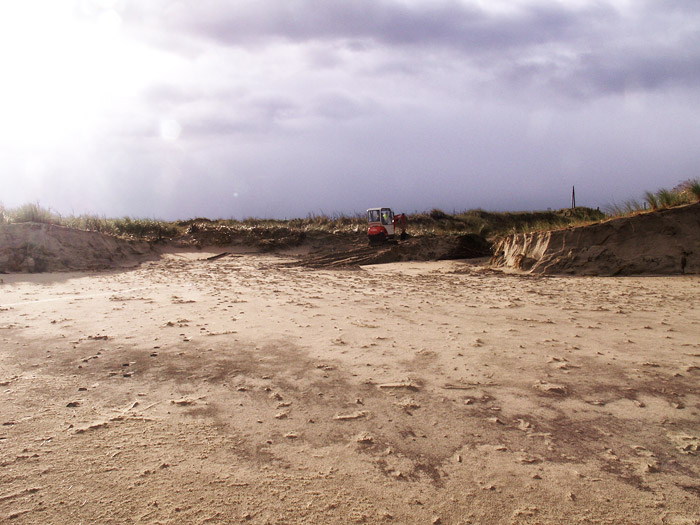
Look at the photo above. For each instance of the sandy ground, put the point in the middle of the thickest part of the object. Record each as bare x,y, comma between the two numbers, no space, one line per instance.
241,390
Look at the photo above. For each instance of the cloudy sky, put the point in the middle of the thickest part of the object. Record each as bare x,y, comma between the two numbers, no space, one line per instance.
284,108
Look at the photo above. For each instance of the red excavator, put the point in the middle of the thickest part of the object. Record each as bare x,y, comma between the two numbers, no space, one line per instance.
383,225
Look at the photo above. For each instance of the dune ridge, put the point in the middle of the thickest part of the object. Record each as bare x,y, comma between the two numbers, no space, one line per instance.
662,242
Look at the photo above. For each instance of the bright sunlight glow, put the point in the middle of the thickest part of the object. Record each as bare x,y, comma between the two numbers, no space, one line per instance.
66,68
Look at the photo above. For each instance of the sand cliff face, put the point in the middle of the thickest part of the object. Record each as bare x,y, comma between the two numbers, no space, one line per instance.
663,242
32,247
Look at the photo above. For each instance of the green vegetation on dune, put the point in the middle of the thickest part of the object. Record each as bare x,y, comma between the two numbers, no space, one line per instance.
487,223
31,212
434,222
438,222
694,188
686,192
124,227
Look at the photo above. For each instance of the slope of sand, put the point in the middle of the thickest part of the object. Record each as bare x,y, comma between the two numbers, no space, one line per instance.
33,247
244,390
36,248
660,242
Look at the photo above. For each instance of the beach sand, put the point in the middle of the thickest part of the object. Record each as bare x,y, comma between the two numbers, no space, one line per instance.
243,389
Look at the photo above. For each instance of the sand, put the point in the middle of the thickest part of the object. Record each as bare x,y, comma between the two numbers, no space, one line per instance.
243,389
662,242
34,248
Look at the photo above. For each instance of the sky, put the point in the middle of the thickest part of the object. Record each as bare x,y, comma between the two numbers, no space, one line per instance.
175,109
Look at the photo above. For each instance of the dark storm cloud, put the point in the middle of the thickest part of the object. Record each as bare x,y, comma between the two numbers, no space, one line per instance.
609,71
452,24
578,51
621,71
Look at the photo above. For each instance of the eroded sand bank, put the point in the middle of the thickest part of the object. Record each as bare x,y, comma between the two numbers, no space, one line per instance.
240,389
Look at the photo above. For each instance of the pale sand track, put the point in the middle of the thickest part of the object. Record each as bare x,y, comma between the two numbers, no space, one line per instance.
241,390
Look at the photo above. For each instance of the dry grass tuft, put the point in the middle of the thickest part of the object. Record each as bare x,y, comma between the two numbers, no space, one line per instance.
686,192
694,189
32,212
435,222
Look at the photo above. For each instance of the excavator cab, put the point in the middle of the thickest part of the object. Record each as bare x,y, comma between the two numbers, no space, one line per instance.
382,224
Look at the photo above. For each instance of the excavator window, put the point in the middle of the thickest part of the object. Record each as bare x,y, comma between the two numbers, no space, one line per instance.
386,217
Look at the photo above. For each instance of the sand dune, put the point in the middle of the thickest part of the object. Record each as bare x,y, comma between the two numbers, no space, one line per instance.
33,248
662,242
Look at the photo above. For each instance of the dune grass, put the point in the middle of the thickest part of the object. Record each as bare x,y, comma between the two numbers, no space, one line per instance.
32,212
694,189
123,227
651,199
151,229
686,192
433,222
628,207
487,223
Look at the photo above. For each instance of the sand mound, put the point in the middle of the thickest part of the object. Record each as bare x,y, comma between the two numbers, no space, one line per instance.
339,249
201,234
31,247
663,242
414,249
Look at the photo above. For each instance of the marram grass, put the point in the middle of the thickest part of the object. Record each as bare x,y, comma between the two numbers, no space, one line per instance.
686,192
433,222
